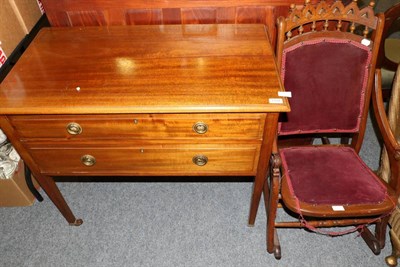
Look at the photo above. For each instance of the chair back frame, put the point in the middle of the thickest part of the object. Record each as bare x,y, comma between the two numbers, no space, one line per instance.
392,23
387,129
338,22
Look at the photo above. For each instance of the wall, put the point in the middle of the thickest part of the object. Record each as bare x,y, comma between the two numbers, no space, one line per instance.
136,12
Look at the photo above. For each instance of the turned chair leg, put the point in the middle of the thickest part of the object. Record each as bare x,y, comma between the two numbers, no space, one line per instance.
380,231
273,245
370,240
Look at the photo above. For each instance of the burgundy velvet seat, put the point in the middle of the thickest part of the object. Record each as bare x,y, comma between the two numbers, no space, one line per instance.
330,176
326,55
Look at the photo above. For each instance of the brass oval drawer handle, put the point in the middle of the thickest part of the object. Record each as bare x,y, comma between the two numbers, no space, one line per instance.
200,160
88,160
74,128
200,128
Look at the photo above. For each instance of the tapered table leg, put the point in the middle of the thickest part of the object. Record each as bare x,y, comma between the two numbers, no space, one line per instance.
49,186
46,182
270,128
255,200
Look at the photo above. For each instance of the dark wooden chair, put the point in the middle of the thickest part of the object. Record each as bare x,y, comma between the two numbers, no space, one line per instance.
389,169
389,51
327,55
388,88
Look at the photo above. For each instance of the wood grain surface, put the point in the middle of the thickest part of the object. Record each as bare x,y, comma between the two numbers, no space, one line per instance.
145,69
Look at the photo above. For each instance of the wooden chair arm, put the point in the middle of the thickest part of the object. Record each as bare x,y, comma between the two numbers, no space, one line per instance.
390,141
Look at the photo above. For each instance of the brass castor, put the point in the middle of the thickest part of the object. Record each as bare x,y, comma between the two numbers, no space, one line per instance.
77,222
391,260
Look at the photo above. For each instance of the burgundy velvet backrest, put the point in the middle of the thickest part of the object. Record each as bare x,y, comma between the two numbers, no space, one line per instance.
328,79
327,56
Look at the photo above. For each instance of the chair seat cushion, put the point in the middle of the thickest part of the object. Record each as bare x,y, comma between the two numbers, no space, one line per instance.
330,175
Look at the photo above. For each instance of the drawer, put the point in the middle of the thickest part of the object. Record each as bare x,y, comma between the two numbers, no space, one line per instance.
177,159
140,126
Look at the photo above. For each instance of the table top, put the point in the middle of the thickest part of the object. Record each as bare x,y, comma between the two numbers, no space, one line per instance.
145,69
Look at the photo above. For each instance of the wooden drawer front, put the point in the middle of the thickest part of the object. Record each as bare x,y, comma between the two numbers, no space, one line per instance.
149,160
142,126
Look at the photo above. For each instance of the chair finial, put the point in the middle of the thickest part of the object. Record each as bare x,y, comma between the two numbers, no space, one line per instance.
372,4
292,8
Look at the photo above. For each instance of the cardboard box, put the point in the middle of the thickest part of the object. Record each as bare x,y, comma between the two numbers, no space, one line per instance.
11,31
17,18
3,57
28,13
14,192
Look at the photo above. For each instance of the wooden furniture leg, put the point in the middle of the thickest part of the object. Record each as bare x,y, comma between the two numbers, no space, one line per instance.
370,240
270,127
46,182
255,200
273,245
380,231
51,189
